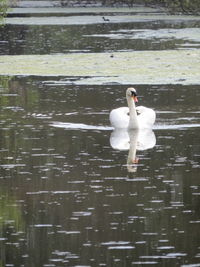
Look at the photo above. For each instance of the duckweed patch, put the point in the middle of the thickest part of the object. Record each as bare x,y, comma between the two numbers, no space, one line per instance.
139,67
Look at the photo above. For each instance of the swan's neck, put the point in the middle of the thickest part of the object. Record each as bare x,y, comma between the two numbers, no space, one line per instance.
133,120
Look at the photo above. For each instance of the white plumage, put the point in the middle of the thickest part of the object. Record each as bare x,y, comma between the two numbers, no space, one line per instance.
132,117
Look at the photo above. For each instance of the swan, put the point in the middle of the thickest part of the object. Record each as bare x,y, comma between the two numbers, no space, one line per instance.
132,117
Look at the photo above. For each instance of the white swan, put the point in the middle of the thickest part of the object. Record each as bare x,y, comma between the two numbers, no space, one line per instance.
132,117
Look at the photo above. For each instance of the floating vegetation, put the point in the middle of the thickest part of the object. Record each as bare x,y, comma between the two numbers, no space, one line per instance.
138,67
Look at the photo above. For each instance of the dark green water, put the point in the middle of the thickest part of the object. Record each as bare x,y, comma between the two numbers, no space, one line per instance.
140,35
67,198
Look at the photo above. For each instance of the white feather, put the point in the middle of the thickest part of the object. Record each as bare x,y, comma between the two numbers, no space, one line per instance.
141,117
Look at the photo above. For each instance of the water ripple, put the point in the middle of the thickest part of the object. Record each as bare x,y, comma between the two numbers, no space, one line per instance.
82,126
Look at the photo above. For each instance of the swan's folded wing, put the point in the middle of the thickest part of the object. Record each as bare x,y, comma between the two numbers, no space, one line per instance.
146,116
119,117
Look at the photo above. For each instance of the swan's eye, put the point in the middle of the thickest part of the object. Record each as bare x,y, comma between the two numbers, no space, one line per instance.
133,93
128,114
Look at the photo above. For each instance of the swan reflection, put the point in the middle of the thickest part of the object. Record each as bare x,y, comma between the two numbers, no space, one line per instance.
132,140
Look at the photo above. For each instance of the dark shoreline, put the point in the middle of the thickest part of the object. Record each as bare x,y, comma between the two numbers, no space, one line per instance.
172,7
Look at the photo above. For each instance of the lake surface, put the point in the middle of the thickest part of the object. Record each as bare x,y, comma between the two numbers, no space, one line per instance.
73,191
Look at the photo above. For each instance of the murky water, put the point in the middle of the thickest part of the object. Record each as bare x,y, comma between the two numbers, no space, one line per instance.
70,196
93,37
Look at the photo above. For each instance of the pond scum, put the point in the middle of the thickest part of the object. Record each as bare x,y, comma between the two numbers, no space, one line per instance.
152,67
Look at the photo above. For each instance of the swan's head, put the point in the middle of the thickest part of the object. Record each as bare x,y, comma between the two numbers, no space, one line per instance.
131,92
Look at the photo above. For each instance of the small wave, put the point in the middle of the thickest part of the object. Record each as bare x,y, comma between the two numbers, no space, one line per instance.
175,126
82,126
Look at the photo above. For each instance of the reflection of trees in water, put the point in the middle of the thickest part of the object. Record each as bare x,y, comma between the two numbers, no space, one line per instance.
15,94
191,6
12,37
11,229
47,39
187,6
4,82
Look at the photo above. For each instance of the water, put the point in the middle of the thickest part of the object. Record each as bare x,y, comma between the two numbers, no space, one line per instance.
92,34
70,195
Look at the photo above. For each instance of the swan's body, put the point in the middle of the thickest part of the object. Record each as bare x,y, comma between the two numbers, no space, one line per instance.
132,117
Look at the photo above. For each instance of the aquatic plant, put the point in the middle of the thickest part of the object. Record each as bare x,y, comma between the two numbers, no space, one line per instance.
3,8
156,67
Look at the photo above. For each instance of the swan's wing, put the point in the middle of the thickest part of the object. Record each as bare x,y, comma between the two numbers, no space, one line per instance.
146,116
119,117
139,110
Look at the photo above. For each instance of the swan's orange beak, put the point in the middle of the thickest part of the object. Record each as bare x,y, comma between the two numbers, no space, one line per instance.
135,99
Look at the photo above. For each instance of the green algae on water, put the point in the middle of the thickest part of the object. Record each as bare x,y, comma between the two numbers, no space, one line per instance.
138,67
